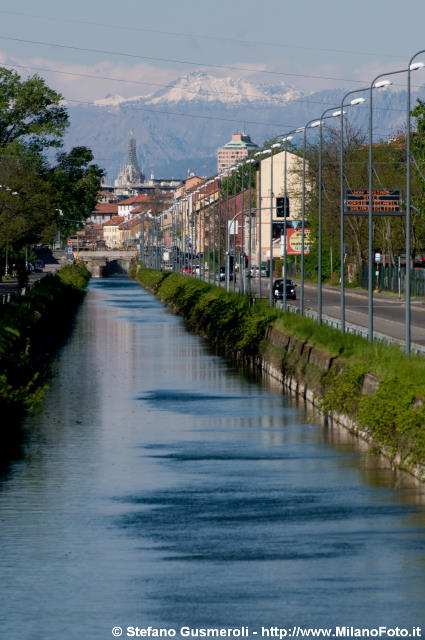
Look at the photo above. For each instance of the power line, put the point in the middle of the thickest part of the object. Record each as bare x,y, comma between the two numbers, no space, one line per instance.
175,60
157,84
203,36
184,115
141,82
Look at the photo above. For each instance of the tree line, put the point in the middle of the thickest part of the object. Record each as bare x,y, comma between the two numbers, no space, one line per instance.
43,189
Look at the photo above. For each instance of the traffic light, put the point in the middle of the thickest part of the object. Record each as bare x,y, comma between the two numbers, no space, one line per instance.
282,207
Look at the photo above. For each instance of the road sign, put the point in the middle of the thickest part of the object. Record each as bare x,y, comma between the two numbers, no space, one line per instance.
385,202
378,257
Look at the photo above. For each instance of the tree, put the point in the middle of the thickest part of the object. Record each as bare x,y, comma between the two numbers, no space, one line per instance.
30,112
389,166
76,183
32,192
27,203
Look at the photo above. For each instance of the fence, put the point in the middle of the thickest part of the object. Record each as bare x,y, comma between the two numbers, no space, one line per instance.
390,279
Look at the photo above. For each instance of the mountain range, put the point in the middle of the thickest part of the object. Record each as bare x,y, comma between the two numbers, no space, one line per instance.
178,128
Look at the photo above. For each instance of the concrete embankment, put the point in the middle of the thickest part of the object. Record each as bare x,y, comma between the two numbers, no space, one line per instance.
373,390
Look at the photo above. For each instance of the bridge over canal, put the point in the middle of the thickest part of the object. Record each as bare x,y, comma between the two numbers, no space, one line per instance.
103,263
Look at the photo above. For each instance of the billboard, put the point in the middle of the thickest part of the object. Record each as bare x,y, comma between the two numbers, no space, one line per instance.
385,202
294,241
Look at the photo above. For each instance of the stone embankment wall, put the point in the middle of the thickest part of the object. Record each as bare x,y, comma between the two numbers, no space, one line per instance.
303,369
372,389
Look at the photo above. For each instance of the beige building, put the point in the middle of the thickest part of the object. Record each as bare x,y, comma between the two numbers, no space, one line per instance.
130,231
272,193
238,148
111,232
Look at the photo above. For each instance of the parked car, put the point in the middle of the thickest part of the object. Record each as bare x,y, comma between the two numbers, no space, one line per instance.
291,293
254,270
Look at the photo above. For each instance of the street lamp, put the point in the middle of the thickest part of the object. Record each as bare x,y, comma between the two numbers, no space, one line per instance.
310,124
231,170
286,139
260,255
377,84
277,145
353,102
412,66
319,123
250,162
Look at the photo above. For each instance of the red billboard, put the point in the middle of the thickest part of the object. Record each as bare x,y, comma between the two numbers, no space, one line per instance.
294,241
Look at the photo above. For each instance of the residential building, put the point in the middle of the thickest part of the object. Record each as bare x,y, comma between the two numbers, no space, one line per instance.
270,192
103,212
111,232
238,148
130,231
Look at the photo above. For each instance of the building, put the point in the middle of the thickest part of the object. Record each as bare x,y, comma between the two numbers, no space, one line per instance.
131,180
130,206
268,200
103,212
111,232
130,231
238,148
130,174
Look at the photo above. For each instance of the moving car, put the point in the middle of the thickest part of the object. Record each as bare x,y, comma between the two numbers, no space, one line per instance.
291,293
222,274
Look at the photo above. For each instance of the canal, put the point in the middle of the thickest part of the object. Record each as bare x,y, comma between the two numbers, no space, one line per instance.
161,486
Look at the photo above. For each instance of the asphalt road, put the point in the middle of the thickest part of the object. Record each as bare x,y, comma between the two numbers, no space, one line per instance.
388,310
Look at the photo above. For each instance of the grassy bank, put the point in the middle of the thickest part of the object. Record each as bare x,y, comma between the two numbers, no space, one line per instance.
30,329
390,409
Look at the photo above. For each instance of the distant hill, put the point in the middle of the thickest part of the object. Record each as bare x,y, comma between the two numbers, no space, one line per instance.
180,127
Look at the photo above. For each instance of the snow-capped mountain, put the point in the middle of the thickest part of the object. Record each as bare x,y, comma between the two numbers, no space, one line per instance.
181,125
197,87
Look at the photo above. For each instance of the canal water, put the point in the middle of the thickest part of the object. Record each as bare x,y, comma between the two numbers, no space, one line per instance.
162,487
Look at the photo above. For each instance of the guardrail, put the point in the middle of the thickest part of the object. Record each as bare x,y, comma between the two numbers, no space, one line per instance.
18,292
352,328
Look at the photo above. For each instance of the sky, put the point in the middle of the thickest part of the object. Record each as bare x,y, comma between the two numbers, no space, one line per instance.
135,47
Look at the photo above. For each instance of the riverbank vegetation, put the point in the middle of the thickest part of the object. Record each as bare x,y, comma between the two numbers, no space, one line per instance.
30,329
374,384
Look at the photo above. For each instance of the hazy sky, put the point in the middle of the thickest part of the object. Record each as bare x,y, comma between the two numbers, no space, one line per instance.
309,44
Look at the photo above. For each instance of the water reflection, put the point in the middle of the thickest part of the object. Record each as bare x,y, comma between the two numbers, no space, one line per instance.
161,486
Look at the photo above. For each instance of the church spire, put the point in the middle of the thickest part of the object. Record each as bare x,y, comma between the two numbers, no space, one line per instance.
132,155
130,175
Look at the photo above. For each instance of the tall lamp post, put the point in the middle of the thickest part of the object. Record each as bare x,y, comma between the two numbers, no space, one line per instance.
412,66
319,123
231,170
304,130
273,147
353,102
250,161
375,84
260,255
286,139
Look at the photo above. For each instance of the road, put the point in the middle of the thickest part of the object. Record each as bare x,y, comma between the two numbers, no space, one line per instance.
388,312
